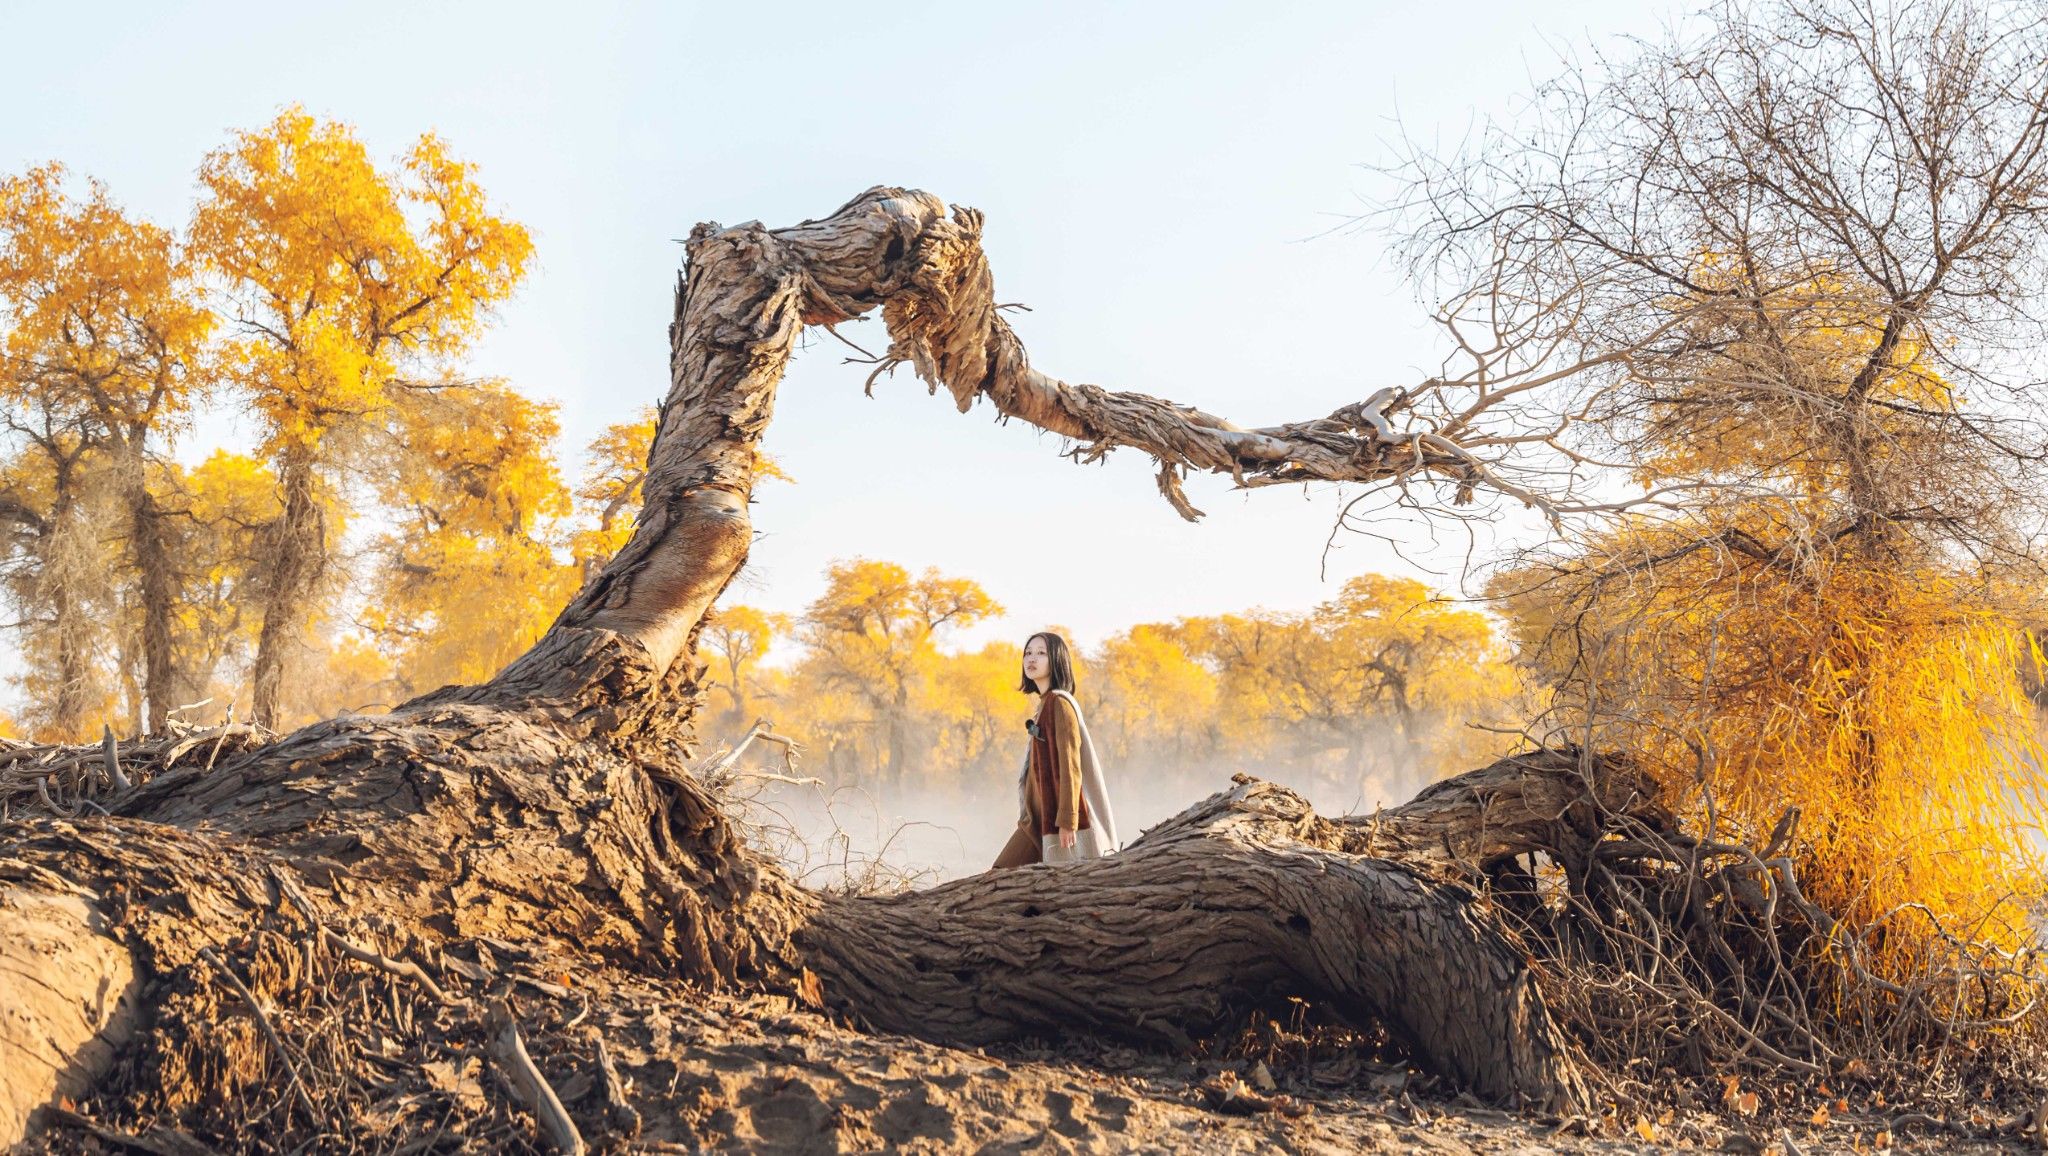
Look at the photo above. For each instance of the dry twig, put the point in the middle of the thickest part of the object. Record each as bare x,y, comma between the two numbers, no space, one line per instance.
510,1052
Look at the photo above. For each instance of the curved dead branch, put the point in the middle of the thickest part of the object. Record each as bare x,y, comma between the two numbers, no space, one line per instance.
749,293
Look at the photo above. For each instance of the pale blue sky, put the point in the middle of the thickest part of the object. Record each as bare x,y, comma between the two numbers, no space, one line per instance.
1160,181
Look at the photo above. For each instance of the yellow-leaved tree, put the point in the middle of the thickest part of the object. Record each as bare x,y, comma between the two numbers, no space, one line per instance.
1243,650
610,493
217,512
976,709
1434,666
468,576
737,638
339,280
101,339
1147,694
872,644
1806,645
1371,693
1379,688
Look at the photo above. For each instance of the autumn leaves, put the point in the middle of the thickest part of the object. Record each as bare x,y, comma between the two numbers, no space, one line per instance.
331,299
1374,686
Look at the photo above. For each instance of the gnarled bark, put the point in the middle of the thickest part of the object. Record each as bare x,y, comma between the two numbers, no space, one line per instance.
1240,902
465,827
551,805
748,294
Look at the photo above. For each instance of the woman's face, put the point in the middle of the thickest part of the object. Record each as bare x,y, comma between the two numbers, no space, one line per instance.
1037,660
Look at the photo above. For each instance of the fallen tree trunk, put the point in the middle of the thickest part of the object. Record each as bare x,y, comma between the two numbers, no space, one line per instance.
1237,904
1244,900
552,805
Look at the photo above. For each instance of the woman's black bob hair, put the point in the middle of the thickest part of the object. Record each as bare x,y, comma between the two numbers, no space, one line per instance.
1061,674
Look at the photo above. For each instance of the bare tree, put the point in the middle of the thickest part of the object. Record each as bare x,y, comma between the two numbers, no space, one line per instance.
1813,236
1799,263
1816,231
553,804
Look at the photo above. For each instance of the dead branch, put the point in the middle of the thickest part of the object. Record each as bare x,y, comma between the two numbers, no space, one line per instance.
255,1006
111,760
154,1141
404,969
624,1116
62,779
510,1052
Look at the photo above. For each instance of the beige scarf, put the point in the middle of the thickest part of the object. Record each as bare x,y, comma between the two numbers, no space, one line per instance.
1099,837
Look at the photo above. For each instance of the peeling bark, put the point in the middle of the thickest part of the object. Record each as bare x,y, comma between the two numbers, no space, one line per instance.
1237,904
748,294
552,805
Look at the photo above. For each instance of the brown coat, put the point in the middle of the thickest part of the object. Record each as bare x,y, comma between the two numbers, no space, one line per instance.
1052,785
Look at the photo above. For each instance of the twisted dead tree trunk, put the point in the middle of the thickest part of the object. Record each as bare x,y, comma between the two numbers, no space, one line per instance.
1240,902
551,805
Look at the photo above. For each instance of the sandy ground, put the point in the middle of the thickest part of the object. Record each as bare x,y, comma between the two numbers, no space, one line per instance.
777,1081
642,1066
755,1076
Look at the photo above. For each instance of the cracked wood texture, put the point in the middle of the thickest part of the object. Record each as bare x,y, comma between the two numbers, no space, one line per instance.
552,805
746,297
1238,903
458,828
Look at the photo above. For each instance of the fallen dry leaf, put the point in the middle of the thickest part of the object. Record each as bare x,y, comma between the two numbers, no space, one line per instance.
458,1083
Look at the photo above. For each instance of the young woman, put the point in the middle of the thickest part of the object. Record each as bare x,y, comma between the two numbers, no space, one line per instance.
1065,810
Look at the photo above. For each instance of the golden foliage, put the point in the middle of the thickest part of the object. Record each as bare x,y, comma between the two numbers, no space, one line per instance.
872,641
339,280
1368,693
342,673
1385,677
1884,701
1809,635
1761,405
101,342
345,288
611,489
736,638
1148,694
976,710
470,577
339,274
220,508
96,309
